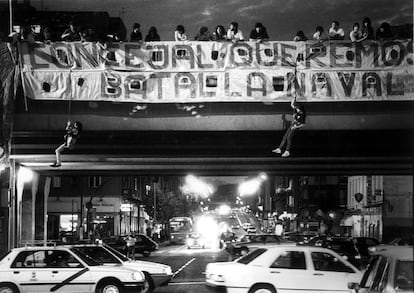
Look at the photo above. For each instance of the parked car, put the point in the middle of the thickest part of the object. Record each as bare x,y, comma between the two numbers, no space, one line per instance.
390,270
250,242
65,270
143,245
156,274
283,268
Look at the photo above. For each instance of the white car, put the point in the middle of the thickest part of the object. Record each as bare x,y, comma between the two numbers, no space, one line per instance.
390,270
65,270
283,269
156,274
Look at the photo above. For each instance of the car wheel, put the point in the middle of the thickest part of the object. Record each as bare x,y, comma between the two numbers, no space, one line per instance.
109,287
8,288
146,253
148,284
262,288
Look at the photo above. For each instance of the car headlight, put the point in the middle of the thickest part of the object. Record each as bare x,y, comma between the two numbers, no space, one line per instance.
167,270
138,276
216,277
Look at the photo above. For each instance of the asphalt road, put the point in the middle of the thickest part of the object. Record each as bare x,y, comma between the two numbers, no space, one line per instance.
188,266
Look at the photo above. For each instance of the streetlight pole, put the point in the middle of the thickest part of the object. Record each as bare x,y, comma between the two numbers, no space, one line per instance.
155,202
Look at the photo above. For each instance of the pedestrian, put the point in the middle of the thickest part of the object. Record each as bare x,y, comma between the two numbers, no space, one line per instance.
299,116
136,35
234,34
72,134
319,34
179,33
130,243
335,32
355,35
219,34
300,37
203,34
259,33
367,29
152,35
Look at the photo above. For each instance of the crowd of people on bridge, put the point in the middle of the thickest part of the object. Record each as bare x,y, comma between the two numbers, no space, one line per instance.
74,33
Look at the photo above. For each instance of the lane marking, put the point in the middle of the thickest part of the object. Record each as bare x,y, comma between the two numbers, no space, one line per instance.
183,267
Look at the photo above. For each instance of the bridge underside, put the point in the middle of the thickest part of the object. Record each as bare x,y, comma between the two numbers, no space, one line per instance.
341,152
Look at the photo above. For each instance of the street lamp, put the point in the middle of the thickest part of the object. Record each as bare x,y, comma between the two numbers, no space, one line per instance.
196,186
251,186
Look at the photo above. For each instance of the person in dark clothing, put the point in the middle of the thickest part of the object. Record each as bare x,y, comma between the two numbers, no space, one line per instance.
299,116
384,32
259,33
152,35
71,34
136,35
72,134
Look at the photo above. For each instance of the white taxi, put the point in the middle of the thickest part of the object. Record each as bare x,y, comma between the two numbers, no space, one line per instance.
283,269
65,270
156,274
390,270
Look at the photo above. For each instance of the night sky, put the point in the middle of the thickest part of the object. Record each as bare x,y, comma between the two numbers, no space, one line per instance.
283,18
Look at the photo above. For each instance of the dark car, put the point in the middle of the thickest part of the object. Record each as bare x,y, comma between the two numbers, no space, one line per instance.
344,246
143,244
251,242
364,243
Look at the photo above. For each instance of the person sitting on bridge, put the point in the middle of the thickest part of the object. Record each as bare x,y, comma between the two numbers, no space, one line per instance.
299,116
72,134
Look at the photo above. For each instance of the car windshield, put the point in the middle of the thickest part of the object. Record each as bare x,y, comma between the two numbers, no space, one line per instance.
89,261
404,275
375,267
116,253
251,256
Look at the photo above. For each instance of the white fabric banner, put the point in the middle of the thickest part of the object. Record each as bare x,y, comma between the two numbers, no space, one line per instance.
180,72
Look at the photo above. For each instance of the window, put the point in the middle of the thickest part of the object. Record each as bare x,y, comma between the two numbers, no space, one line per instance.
323,261
404,275
290,260
56,182
61,259
99,254
251,256
94,181
30,259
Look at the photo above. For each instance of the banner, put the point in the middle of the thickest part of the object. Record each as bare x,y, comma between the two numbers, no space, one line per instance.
180,72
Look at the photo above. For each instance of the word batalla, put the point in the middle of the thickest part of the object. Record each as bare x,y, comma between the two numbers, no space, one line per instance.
163,72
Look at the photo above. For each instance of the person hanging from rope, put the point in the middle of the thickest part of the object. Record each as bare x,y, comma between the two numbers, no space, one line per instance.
73,131
299,116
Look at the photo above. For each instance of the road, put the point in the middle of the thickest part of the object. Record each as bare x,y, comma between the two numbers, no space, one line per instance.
188,266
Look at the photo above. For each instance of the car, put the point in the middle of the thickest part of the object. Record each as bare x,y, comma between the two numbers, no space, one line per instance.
196,240
143,245
63,269
283,268
345,246
364,244
250,242
156,274
390,270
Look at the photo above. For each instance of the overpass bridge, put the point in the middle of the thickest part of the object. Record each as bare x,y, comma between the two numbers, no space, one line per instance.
214,107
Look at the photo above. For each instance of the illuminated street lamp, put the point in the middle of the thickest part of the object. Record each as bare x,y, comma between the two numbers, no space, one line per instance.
251,186
194,185
24,175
